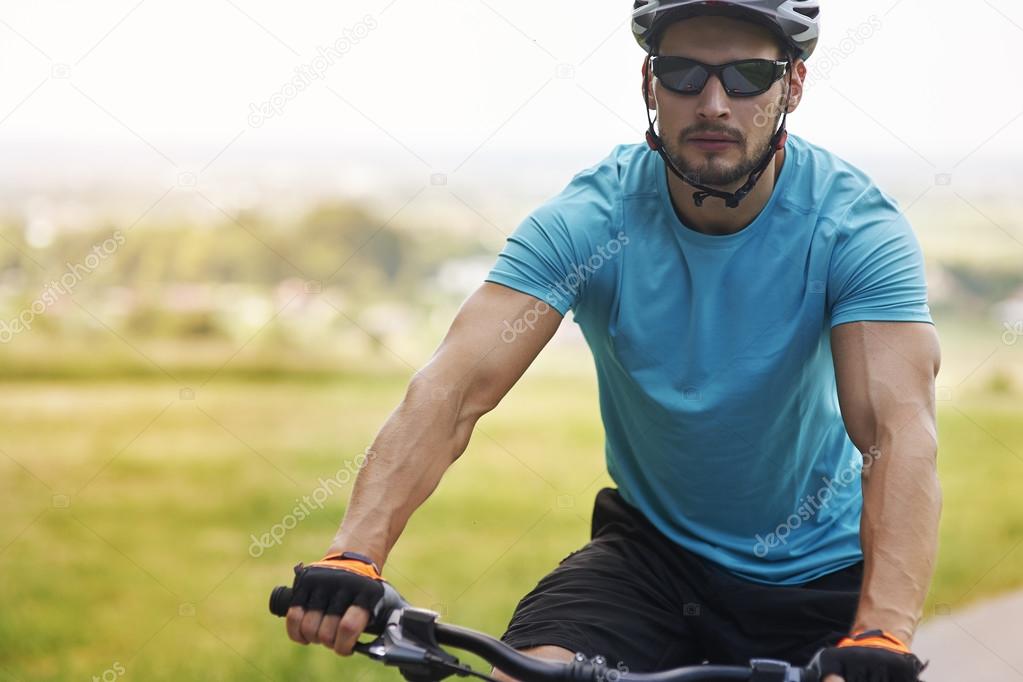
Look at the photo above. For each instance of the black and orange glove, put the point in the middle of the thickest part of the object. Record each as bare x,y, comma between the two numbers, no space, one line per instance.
867,656
338,581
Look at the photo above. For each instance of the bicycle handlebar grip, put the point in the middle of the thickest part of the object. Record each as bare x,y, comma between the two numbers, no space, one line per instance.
280,602
382,611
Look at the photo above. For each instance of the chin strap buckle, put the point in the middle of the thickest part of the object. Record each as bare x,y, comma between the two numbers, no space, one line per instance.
731,200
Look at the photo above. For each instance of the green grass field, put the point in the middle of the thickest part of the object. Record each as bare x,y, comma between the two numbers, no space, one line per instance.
128,512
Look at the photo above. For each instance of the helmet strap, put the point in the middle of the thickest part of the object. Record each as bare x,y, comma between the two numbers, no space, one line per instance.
731,199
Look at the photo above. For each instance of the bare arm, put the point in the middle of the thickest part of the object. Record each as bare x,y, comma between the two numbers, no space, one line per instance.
495,336
885,374
492,341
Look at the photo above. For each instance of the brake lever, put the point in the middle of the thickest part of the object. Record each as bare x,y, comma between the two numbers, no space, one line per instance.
409,643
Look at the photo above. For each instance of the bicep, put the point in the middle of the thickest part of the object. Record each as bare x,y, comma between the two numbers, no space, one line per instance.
885,373
495,336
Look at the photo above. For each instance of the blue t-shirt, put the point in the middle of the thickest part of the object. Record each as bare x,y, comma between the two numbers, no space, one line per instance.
713,355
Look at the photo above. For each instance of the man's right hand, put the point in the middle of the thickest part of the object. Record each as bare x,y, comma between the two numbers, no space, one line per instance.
333,600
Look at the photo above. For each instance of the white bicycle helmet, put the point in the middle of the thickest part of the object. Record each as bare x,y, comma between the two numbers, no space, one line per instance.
797,22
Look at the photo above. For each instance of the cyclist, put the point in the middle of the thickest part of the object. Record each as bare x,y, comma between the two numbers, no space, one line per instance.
757,313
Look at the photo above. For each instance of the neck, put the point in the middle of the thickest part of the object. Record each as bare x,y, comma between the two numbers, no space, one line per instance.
716,218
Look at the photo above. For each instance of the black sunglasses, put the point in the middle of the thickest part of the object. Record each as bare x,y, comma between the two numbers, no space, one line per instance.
744,78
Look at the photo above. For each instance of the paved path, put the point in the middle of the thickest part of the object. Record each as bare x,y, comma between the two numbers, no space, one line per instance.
981,643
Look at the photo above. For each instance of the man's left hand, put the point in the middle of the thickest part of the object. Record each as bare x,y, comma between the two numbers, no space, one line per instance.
868,656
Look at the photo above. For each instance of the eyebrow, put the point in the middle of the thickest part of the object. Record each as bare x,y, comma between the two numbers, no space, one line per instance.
718,63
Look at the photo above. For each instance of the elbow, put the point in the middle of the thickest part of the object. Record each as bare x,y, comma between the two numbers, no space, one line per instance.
911,442
429,393
459,403
474,402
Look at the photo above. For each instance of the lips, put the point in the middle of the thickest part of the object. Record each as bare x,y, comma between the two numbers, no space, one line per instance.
710,137
712,142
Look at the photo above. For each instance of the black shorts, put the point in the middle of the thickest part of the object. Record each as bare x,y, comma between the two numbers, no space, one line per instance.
642,601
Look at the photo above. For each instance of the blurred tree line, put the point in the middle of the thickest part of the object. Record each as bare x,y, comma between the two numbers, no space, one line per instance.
337,269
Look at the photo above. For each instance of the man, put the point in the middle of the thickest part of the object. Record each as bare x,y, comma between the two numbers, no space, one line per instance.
766,364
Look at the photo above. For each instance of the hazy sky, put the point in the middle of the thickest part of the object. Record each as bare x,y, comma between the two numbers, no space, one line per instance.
162,87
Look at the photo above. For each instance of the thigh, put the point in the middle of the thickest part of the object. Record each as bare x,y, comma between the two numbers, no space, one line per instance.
614,598
785,622
544,653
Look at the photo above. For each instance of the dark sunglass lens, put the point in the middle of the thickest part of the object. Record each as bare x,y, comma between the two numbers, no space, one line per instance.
682,76
749,78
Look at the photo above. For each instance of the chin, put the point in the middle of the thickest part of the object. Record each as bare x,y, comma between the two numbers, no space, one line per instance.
714,173
715,169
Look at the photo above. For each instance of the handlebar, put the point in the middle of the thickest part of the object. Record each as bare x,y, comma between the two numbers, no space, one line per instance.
280,601
409,638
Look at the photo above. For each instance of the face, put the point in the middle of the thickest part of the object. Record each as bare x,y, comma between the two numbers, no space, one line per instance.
748,122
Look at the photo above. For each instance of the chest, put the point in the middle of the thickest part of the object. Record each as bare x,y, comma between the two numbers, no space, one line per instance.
746,313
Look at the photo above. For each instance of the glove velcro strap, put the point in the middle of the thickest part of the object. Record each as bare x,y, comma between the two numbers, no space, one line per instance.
351,565
877,639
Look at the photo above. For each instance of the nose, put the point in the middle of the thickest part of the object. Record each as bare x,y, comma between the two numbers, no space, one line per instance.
713,102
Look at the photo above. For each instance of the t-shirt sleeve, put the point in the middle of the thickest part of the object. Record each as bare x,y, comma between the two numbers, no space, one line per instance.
877,270
556,250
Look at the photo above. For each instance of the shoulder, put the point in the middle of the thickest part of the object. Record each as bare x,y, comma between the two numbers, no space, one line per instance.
841,194
607,179
590,203
558,251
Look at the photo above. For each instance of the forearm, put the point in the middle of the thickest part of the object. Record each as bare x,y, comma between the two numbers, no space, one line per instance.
427,432
899,528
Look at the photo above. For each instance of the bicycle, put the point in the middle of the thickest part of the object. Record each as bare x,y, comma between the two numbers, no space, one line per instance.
410,639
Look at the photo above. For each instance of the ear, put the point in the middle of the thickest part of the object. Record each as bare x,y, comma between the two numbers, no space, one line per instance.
651,103
797,79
